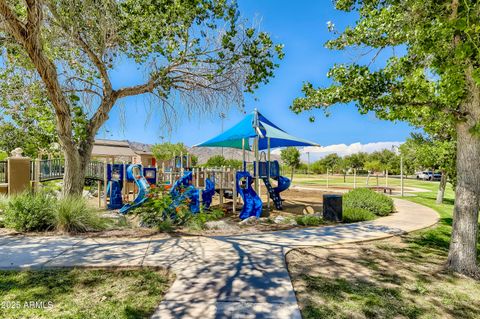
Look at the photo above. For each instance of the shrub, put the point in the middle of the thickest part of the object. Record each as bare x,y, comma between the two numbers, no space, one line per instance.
352,215
73,215
165,225
31,212
197,221
369,200
155,210
309,220
3,203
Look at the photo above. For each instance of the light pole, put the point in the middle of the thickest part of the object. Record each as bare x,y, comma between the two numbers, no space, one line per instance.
223,116
397,149
308,163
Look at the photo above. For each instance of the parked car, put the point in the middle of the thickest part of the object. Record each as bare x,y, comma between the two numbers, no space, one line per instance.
429,176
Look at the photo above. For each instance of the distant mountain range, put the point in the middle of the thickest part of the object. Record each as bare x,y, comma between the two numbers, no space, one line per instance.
204,153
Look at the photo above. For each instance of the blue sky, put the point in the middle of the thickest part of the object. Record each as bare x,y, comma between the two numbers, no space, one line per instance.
302,27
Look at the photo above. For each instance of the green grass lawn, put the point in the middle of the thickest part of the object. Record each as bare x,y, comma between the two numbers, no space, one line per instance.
82,293
360,181
397,278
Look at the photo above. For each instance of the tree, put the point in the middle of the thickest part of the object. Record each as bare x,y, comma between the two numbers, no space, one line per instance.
233,163
25,119
167,151
216,161
428,153
291,157
332,162
434,85
193,160
195,49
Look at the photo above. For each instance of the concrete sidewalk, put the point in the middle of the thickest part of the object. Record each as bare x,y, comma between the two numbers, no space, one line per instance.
217,277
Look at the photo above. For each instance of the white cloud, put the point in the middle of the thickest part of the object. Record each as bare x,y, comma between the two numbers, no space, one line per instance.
318,152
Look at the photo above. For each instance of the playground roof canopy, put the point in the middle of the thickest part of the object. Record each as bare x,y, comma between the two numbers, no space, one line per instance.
245,129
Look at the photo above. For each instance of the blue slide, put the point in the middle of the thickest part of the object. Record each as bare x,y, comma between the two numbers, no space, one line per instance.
183,190
135,172
208,193
252,204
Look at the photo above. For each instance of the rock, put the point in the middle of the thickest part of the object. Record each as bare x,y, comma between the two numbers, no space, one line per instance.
249,221
265,220
308,210
87,194
219,225
284,220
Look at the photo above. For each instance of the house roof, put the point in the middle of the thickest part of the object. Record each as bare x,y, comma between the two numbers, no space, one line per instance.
109,148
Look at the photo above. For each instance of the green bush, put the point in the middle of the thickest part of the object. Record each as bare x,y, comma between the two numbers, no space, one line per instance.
309,220
166,225
31,212
73,215
363,198
352,215
3,203
197,221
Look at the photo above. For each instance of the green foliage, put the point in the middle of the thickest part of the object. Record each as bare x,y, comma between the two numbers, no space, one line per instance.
233,163
156,210
309,220
219,161
356,160
363,198
197,221
73,215
31,212
424,152
3,202
427,85
332,162
3,155
352,215
167,151
165,225
290,157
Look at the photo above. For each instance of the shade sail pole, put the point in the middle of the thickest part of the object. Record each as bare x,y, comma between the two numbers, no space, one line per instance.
255,126
243,155
268,170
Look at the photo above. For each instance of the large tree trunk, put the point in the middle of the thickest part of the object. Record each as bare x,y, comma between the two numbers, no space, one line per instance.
462,256
76,162
441,188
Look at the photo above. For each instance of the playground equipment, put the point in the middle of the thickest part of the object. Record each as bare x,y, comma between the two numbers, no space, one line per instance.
271,170
135,172
265,136
252,204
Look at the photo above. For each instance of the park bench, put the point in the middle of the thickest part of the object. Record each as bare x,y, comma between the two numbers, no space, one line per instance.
381,188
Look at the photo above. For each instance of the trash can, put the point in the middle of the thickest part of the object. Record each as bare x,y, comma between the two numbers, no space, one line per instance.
332,207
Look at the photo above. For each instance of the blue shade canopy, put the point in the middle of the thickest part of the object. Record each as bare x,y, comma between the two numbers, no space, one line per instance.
245,129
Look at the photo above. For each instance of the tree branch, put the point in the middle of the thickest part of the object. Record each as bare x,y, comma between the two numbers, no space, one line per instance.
96,60
29,38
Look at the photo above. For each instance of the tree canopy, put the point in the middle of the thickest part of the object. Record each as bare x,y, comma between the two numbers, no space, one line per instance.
431,80
199,52
167,151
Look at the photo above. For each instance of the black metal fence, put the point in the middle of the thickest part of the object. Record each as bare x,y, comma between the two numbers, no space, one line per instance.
95,170
51,169
3,172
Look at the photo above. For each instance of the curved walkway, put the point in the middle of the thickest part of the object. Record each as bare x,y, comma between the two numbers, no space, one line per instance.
241,276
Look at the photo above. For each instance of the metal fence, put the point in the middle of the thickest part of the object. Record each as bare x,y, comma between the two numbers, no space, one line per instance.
95,170
3,172
51,169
